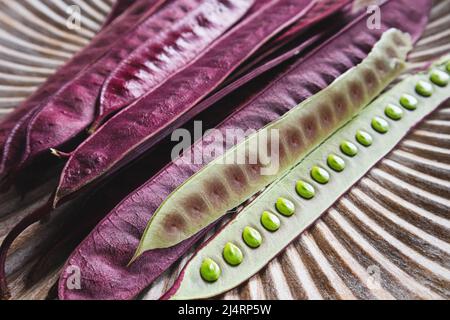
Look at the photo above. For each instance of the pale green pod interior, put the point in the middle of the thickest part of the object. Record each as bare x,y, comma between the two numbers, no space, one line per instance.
221,186
193,287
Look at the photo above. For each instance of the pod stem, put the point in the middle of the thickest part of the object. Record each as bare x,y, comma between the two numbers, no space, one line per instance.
59,154
93,128
30,219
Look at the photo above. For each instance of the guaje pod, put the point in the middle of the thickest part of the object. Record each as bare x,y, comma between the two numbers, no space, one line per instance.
13,127
146,67
227,182
145,122
116,237
73,108
136,76
190,285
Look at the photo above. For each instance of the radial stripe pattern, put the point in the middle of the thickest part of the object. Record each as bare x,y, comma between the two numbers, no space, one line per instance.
35,40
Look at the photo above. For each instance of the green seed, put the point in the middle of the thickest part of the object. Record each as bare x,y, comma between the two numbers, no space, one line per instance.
364,138
270,221
232,254
320,175
394,112
285,207
349,148
409,102
336,163
380,125
439,78
447,67
210,270
252,237
424,88
305,190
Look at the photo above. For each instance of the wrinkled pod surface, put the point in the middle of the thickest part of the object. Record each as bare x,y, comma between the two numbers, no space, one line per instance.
147,66
74,106
145,122
270,101
13,128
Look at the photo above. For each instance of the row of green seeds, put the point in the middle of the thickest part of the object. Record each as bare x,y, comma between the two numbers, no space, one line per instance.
210,270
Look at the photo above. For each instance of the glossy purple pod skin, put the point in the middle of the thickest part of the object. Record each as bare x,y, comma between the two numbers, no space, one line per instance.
71,111
16,123
116,237
135,77
148,120
146,67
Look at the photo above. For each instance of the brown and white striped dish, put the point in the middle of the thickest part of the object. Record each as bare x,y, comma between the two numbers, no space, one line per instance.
387,238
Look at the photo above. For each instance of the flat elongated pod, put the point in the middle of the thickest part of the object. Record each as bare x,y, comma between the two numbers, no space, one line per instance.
73,108
191,285
241,172
117,236
147,66
14,127
145,122
140,72
119,7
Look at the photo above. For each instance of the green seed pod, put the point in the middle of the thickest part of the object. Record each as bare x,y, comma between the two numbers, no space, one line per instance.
447,67
232,254
189,287
320,175
364,138
210,270
424,88
380,125
439,78
393,112
336,163
223,184
349,148
409,102
252,237
285,207
270,221
305,190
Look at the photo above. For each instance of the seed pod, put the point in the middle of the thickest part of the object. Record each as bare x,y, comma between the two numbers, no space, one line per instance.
13,127
146,67
250,108
301,129
73,108
189,285
145,122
